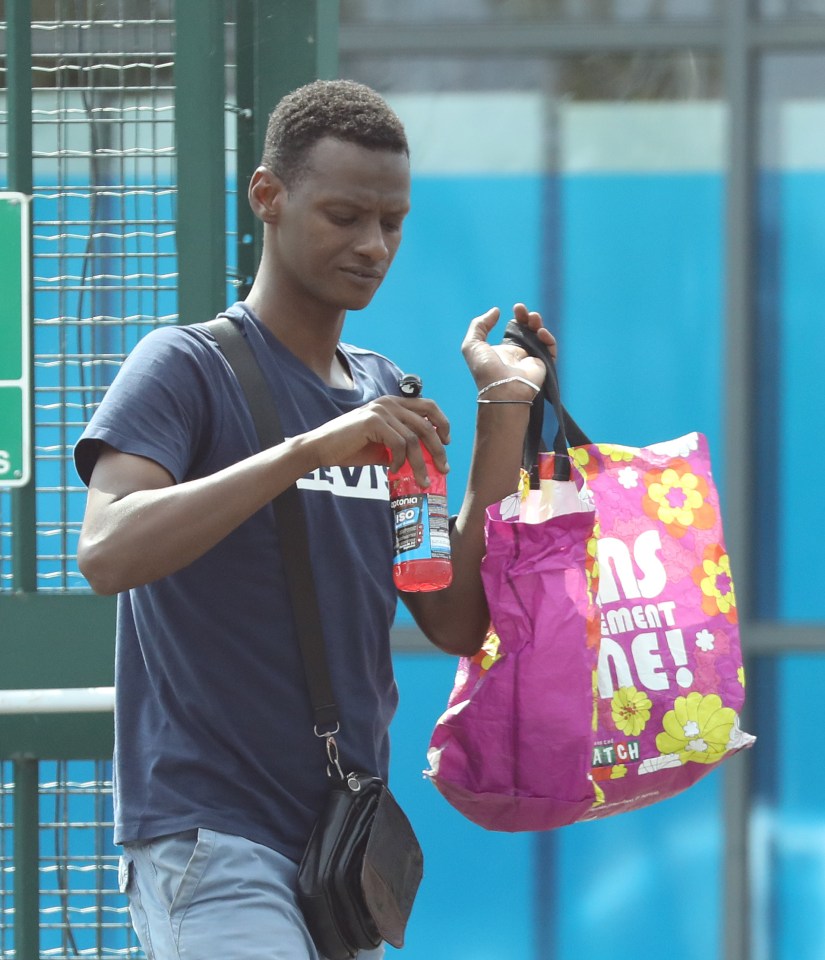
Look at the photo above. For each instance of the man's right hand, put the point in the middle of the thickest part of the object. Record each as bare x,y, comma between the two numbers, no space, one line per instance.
388,430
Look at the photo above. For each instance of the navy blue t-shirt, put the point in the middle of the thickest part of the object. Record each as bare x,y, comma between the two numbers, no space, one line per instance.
213,725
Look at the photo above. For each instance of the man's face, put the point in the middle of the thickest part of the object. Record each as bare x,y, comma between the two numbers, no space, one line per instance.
339,227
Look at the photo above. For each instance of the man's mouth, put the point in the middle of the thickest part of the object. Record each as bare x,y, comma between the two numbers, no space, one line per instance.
363,273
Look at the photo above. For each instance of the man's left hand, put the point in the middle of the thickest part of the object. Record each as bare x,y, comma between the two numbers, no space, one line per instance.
489,363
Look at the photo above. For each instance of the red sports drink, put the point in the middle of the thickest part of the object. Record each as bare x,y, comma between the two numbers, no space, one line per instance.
422,535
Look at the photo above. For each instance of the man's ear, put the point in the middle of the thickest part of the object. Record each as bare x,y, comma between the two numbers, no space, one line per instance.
266,193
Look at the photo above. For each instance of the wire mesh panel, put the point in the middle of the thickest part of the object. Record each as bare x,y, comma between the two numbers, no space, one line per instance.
6,862
104,263
104,274
82,912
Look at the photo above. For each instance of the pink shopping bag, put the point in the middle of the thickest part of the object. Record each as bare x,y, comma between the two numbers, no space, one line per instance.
612,675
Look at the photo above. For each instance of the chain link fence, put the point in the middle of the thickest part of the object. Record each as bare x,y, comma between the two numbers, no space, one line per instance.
104,274
82,913
104,264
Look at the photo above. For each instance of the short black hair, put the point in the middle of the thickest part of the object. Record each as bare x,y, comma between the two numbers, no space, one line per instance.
342,109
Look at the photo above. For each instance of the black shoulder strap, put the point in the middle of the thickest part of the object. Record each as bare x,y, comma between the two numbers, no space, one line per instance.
289,515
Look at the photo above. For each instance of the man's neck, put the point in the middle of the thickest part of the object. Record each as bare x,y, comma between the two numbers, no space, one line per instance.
312,336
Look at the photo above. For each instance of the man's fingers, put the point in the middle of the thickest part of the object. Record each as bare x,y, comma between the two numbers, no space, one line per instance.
533,320
480,328
406,424
410,447
408,443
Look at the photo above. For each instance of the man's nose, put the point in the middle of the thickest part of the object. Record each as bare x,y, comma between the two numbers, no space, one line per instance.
372,242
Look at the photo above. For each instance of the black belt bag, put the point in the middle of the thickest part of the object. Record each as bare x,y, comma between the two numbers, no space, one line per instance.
362,866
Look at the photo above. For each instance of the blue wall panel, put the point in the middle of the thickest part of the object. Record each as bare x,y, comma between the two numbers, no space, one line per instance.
801,305
641,295
642,305
791,836
652,876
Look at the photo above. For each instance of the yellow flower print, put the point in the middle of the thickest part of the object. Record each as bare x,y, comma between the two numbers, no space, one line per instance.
740,675
617,772
595,699
616,453
580,456
592,558
593,543
588,465
631,710
489,652
591,563
697,728
716,583
677,497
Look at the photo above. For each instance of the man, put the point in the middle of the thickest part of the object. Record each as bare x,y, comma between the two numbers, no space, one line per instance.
219,777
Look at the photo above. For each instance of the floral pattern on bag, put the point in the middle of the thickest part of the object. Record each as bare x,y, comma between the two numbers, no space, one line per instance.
716,583
697,729
677,497
630,710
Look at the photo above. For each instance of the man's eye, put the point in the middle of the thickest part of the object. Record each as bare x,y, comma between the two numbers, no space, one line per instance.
392,226
342,219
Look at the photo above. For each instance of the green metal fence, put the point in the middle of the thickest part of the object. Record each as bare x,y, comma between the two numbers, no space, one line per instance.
81,912
104,269
102,181
129,123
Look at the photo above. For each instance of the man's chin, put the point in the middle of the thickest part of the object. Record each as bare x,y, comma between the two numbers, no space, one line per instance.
359,303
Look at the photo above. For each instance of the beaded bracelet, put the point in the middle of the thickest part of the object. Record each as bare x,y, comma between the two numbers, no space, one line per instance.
499,383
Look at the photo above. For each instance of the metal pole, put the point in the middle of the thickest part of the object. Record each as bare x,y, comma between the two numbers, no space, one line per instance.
248,152
296,42
545,898
19,93
327,19
740,439
281,45
201,165
26,859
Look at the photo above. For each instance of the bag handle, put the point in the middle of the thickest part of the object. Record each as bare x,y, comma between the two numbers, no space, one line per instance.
568,433
292,529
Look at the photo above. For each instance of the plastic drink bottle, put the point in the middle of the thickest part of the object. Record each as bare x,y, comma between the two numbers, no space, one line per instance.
421,545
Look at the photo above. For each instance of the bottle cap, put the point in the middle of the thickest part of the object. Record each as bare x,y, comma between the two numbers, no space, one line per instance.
410,385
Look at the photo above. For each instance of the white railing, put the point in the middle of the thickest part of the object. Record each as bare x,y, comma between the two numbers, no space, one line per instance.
69,700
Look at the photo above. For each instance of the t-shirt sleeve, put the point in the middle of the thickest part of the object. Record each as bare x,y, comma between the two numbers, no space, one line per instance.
158,404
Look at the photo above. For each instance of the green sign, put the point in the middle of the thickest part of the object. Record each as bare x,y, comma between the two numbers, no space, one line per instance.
15,319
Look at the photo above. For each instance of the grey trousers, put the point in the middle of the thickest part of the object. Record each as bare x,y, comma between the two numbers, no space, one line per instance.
201,894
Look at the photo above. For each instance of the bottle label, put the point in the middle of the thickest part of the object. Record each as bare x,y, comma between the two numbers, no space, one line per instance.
421,527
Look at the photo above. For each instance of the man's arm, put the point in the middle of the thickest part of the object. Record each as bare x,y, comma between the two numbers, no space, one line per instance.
140,525
456,619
